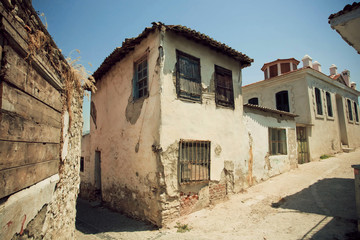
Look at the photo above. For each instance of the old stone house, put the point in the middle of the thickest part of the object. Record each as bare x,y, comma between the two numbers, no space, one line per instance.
39,133
326,105
167,130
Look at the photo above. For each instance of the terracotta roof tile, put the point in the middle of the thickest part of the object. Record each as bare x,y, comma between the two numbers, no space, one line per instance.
346,9
129,44
266,109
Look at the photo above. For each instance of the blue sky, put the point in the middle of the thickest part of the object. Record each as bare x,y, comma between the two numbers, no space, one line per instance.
263,30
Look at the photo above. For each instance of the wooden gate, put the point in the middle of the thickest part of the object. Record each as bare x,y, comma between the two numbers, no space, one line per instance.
303,153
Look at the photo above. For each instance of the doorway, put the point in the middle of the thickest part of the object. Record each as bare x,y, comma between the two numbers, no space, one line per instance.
98,174
341,117
303,152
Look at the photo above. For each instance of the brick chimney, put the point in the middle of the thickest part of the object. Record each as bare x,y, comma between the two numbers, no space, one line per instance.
307,61
333,69
346,76
317,66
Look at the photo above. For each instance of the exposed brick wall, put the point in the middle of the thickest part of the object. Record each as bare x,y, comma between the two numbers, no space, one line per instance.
217,192
188,202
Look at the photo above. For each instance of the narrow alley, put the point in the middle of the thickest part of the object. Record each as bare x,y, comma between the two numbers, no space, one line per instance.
314,201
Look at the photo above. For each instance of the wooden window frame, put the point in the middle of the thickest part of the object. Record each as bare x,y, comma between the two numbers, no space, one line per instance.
194,161
274,140
139,68
195,80
227,76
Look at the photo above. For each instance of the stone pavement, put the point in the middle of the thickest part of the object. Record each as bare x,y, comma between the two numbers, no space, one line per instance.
314,201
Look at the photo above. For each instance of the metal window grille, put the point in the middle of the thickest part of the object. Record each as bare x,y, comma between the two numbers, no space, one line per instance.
188,77
141,88
329,104
318,101
224,87
350,110
277,141
194,161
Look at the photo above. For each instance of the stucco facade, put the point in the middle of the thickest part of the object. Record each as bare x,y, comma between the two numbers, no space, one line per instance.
141,139
326,133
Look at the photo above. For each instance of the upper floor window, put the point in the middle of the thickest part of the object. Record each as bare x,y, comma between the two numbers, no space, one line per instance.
224,95
282,101
81,164
254,101
319,109
329,105
349,109
273,71
356,112
188,80
141,79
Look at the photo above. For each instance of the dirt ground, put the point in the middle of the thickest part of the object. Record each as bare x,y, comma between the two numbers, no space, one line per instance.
314,201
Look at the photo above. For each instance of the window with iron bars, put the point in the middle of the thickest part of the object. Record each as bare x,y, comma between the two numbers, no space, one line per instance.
277,141
194,161
188,80
224,87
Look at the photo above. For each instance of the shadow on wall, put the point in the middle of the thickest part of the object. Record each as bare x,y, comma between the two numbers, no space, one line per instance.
334,198
96,219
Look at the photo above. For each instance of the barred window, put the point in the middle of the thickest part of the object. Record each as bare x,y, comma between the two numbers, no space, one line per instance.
141,79
277,141
319,109
188,80
224,87
194,161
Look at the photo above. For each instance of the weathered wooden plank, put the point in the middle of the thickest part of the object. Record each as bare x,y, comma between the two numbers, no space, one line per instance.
14,100
18,72
14,154
15,179
16,128
17,40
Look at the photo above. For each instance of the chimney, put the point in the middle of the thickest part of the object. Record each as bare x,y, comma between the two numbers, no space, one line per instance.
333,69
317,66
307,61
353,85
346,76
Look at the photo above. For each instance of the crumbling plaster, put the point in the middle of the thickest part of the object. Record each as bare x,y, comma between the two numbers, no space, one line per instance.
125,131
201,121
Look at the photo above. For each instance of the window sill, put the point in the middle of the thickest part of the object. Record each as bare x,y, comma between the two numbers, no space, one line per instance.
330,118
195,182
190,100
319,116
141,98
357,123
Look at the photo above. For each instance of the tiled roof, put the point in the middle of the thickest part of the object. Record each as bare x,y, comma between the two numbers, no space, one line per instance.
346,9
265,109
129,44
335,77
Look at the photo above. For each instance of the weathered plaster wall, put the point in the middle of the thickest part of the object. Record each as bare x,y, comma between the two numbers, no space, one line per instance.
87,179
200,121
324,135
264,165
124,133
296,85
